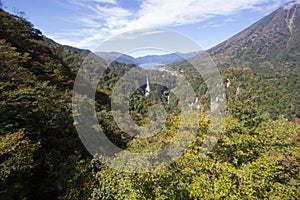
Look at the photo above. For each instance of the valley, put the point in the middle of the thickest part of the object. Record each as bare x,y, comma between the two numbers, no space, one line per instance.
252,152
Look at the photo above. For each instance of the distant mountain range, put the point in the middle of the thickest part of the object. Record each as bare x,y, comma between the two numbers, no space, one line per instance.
147,61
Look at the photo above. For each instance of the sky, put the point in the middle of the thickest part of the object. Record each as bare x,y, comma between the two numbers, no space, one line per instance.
88,23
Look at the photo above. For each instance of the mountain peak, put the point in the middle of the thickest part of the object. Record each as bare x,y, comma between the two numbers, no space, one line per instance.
291,4
275,37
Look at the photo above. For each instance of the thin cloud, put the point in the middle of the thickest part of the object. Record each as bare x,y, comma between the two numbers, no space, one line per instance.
137,34
106,18
218,23
106,1
114,2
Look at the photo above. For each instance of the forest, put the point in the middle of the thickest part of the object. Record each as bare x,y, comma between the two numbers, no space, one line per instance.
42,157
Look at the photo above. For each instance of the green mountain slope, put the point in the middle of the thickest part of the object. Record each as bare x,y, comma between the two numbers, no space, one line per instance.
270,49
38,140
275,38
39,147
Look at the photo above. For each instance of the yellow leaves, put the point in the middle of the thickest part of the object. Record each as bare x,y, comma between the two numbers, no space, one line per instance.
9,139
243,165
18,153
223,186
203,124
277,134
260,176
213,181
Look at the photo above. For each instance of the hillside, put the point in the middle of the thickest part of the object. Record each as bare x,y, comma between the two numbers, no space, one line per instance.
270,49
39,145
273,40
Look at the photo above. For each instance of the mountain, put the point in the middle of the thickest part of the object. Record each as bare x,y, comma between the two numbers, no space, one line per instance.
264,60
273,40
269,48
39,146
119,57
165,59
36,75
146,60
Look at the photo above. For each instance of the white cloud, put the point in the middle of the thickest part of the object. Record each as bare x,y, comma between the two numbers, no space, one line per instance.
106,1
170,12
138,34
291,4
110,19
215,24
95,1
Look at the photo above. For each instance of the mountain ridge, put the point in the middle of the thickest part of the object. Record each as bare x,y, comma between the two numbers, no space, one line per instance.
148,59
269,39
269,50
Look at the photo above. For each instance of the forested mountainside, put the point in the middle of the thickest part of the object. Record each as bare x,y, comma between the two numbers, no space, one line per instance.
42,157
38,140
269,49
274,39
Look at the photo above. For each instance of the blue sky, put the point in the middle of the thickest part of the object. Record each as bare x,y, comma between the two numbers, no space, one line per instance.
87,23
